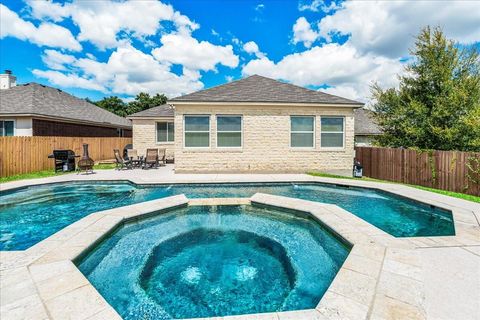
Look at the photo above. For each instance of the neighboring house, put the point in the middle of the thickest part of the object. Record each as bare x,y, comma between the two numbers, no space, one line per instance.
365,128
254,124
33,109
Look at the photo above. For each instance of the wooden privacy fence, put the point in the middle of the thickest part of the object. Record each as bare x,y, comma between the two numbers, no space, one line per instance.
29,154
447,170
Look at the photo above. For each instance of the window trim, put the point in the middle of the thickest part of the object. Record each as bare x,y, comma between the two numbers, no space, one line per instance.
209,130
156,132
14,127
241,130
342,132
314,132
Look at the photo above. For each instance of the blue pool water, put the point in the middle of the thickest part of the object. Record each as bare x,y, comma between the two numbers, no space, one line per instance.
32,214
206,261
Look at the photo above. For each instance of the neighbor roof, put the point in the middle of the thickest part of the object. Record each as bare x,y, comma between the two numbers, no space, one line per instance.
164,110
36,99
364,123
264,90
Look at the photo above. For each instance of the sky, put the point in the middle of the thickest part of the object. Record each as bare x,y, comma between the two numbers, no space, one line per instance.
101,48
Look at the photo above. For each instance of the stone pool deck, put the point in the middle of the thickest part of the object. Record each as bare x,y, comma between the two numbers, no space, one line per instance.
383,277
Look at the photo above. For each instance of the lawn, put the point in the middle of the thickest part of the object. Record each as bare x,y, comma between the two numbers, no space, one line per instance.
444,192
48,173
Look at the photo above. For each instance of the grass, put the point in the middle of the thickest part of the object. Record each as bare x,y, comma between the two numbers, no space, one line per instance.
444,192
49,173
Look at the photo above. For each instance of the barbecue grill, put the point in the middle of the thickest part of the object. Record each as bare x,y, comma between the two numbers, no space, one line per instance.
64,160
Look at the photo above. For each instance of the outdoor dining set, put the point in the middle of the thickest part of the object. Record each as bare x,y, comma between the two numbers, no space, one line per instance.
153,159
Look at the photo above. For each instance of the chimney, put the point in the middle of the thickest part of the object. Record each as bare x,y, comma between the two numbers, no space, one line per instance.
7,80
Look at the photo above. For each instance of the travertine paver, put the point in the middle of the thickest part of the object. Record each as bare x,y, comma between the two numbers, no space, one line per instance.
382,278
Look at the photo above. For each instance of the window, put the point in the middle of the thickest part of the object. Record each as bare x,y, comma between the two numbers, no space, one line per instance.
165,132
302,131
197,131
7,128
332,132
229,131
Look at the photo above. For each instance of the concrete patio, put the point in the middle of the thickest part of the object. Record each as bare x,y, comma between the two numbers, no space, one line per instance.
383,278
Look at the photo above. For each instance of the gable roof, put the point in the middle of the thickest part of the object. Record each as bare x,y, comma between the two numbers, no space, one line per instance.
364,123
164,110
264,90
39,100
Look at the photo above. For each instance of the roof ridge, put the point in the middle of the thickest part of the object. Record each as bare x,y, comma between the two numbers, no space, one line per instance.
217,86
300,87
257,88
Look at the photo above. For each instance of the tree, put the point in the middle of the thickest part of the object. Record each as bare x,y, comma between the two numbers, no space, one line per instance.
437,104
142,102
113,104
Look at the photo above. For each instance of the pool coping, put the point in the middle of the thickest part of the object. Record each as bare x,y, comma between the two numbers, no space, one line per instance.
43,281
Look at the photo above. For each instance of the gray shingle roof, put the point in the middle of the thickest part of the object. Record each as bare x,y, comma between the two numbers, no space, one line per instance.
36,99
161,111
364,123
261,89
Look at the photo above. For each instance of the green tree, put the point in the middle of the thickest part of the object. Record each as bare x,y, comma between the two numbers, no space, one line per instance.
113,104
437,103
144,101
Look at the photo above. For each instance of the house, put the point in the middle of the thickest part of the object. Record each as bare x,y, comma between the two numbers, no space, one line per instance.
365,128
254,124
34,109
154,128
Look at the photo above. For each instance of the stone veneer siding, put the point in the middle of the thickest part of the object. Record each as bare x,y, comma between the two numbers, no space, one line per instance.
144,136
266,141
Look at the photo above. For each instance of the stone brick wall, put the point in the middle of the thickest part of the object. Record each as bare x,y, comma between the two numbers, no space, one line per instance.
266,142
144,136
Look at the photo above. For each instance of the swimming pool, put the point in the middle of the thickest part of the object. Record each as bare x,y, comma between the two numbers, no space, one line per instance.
31,214
204,261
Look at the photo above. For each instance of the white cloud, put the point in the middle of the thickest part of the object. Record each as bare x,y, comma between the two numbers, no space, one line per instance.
340,66
252,48
193,54
69,80
46,34
302,32
103,22
127,71
48,10
318,5
56,60
388,27
259,7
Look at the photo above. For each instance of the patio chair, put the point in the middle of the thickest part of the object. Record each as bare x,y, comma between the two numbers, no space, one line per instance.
162,156
151,159
132,155
120,162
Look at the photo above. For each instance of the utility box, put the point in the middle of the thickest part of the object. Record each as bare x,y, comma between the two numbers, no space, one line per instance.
357,169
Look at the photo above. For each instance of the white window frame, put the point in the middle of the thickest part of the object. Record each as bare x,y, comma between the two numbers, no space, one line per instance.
313,132
209,130
156,132
241,130
342,132
14,127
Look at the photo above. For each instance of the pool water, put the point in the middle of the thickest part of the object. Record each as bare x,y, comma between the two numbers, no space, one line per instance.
203,261
31,214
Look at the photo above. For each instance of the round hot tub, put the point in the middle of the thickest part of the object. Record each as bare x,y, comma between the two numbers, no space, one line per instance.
222,272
